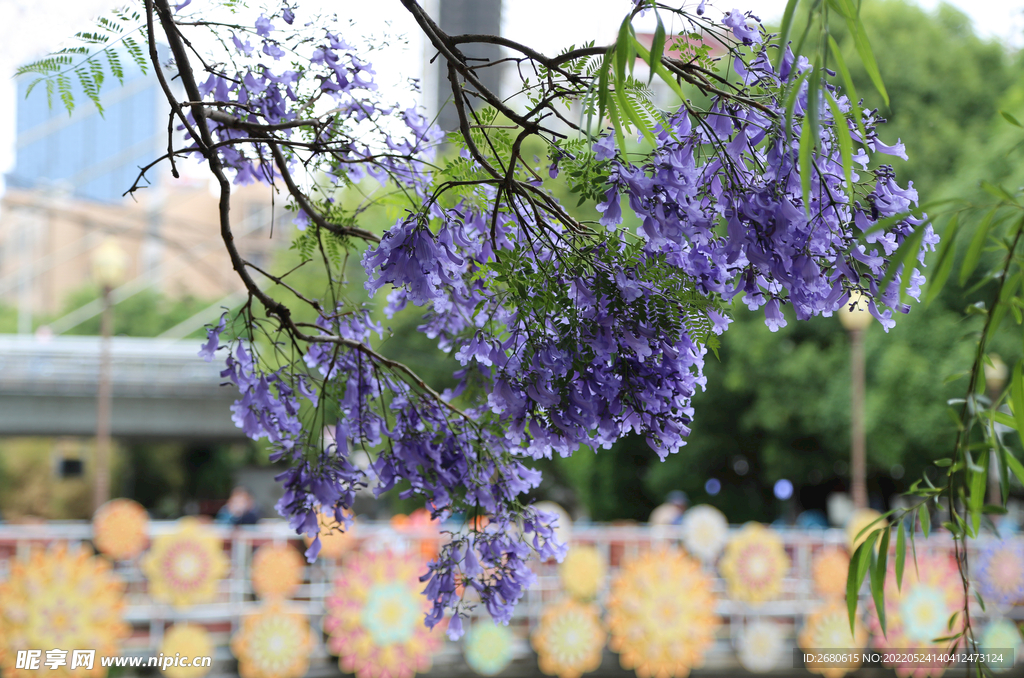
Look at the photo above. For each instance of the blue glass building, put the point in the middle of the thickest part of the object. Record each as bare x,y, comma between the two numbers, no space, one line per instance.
93,157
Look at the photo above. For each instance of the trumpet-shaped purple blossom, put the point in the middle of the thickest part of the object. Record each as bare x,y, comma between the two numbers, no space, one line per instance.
565,339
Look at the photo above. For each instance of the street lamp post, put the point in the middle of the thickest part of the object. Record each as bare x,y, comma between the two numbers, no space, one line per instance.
855,318
108,268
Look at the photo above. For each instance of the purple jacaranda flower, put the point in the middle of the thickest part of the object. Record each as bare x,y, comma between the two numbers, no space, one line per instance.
604,148
213,339
737,21
263,26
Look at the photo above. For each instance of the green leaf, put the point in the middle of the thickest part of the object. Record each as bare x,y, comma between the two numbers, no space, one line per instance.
867,57
602,88
976,498
855,575
1014,465
977,245
997,192
901,555
623,47
787,27
809,135
1009,289
1017,396
878,572
1009,118
657,46
791,97
845,143
945,259
851,91
805,165
926,520
663,72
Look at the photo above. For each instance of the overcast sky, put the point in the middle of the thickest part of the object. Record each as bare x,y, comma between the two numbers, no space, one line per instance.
31,28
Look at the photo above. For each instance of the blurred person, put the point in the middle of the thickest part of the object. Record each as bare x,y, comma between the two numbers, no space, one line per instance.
671,512
240,509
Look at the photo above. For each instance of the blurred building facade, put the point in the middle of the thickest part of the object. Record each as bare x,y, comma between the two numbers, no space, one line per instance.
461,17
65,196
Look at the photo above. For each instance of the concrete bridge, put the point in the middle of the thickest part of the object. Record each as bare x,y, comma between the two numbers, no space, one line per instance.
161,389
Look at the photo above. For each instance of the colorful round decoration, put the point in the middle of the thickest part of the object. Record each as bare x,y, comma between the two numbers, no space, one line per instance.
1001,634
661,614
120,529
334,541
424,530
860,519
488,648
754,564
375,618
583,572
187,640
276,571
760,647
273,643
919,612
1000,572
61,598
829,627
569,640
184,567
829,574
705,532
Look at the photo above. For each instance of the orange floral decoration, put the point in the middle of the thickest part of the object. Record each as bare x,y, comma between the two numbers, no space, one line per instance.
276,571
61,598
120,529
334,540
273,643
569,639
421,526
829,574
661,614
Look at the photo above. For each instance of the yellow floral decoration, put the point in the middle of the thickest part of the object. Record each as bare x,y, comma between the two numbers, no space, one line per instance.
184,567
276,571
828,628
187,640
569,640
661,614
583,572
861,519
61,598
273,643
754,564
120,529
